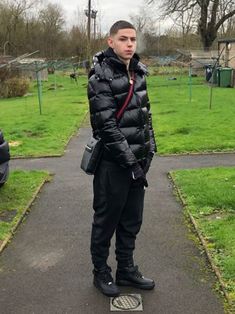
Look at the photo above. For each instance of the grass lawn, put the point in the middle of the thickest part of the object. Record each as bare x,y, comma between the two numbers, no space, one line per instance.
15,197
209,195
183,127
63,109
180,126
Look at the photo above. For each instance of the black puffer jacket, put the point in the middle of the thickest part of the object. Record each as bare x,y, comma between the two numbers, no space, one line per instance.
132,138
4,158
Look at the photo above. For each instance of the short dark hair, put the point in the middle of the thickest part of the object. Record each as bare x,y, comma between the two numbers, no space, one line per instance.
120,25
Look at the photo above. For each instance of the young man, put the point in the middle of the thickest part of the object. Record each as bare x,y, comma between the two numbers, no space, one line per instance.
129,146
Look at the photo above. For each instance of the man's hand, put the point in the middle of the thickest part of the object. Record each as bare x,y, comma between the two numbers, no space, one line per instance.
148,162
138,174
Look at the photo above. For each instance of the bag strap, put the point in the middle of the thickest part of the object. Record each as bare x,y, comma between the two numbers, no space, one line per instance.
128,98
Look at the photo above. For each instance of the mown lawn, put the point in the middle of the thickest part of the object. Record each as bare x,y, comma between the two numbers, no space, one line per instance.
15,196
182,126
209,195
63,109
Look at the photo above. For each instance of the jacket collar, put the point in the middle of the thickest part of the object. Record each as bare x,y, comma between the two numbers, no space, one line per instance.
109,57
112,58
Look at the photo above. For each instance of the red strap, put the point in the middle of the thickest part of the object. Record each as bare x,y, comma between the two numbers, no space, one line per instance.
130,94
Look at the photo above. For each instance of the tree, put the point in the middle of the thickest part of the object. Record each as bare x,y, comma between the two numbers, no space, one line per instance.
230,28
144,20
12,26
52,22
186,20
140,21
146,25
29,26
78,40
212,14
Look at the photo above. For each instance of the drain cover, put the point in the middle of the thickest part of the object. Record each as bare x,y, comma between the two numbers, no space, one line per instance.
127,302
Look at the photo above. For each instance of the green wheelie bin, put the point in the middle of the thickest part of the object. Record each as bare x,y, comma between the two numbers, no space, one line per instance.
225,77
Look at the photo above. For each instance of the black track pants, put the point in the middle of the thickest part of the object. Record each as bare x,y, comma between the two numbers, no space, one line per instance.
118,205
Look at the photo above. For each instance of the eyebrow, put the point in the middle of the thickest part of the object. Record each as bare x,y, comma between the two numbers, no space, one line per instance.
132,37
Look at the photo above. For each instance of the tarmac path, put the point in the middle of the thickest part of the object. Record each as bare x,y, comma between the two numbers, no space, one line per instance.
46,269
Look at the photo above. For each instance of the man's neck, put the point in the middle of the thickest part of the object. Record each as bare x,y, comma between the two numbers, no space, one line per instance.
126,62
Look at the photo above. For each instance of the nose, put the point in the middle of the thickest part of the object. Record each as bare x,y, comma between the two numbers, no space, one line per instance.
129,43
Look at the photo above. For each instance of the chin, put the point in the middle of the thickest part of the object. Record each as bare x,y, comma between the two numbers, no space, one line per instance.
127,57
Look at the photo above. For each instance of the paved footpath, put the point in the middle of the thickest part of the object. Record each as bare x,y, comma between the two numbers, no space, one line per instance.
46,268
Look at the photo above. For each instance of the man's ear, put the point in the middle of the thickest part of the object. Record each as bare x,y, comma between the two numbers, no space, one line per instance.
110,42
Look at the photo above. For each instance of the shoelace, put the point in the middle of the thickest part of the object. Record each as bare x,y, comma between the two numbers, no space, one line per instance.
106,277
137,272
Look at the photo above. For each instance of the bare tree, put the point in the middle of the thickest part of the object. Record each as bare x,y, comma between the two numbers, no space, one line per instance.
27,26
146,25
212,15
186,20
230,27
19,7
145,20
12,15
140,21
52,22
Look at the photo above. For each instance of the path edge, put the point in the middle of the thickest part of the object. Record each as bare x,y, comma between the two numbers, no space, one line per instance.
25,211
203,242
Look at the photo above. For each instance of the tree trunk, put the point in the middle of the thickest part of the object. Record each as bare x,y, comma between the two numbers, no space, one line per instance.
210,13
207,40
207,30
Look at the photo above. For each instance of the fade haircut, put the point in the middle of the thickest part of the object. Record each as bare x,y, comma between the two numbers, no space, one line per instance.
120,25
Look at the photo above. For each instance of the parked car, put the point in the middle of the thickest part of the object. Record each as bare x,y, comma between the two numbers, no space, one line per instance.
4,159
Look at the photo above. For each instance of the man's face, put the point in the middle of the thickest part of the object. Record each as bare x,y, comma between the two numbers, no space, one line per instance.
123,43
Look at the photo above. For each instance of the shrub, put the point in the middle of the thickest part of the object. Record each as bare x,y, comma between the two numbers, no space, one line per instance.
15,86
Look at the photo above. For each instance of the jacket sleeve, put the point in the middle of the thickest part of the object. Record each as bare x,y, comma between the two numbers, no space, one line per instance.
153,144
103,107
4,152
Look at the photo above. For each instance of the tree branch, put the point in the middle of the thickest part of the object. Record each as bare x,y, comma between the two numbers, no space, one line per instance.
224,18
214,11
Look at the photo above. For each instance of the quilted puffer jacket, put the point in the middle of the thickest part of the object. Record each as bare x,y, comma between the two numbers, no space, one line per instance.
4,158
131,138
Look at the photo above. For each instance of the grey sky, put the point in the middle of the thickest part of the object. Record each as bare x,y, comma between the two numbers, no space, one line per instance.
110,11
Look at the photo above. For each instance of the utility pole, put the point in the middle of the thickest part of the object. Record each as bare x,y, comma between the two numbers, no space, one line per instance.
94,28
93,16
159,36
88,14
89,22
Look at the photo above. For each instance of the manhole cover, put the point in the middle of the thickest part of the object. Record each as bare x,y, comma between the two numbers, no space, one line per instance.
128,302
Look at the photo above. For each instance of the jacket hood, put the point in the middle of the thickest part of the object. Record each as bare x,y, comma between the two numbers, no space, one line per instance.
109,57
113,58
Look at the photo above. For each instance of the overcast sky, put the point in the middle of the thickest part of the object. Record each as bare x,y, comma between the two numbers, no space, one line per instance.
109,10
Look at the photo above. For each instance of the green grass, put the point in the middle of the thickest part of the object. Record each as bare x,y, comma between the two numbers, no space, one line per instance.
209,195
169,70
63,110
180,126
183,127
15,195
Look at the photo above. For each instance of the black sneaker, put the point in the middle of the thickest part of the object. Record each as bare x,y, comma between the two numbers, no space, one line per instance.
103,281
130,276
